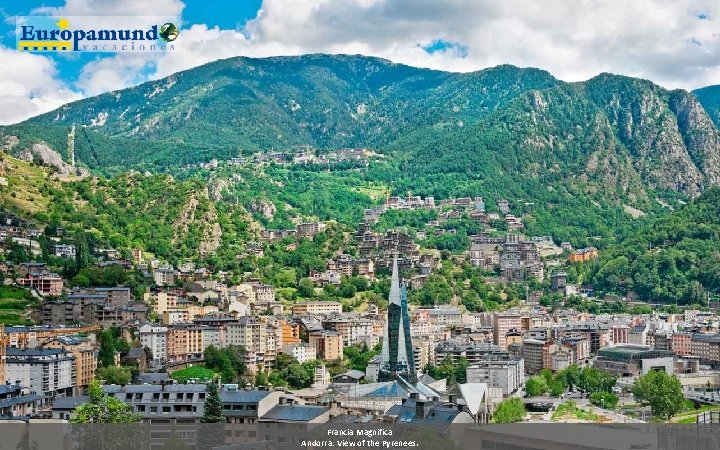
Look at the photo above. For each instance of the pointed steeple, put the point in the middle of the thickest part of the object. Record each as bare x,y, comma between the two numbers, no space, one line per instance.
394,297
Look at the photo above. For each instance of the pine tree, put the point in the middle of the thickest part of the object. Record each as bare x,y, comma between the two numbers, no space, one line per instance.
211,432
213,406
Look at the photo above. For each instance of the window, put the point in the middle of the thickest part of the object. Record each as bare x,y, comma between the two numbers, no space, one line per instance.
202,396
166,410
153,409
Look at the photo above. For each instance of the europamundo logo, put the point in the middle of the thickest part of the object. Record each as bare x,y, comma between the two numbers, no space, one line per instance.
97,34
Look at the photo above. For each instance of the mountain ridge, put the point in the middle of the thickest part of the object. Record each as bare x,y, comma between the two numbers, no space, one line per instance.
652,137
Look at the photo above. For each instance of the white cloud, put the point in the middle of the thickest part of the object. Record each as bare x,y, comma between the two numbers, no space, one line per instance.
572,39
675,43
29,86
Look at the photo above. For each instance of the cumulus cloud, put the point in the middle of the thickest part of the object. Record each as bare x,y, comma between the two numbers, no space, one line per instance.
29,86
675,43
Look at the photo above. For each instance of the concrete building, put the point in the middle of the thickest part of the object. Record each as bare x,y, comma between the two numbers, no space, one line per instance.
302,352
681,343
86,358
299,309
63,251
558,281
45,283
533,351
499,370
180,403
353,331
248,406
164,277
632,360
45,371
501,325
621,334
706,347
445,316
18,401
328,344
248,332
155,337
185,342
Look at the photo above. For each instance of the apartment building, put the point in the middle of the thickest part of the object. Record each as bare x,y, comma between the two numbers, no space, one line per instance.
85,358
499,370
45,283
328,344
155,337
681,343
18,401
316,308
502,324
302,352
46,371
706,347
353,331
185,342
251,334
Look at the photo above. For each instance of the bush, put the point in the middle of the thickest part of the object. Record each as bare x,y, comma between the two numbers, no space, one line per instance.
509,411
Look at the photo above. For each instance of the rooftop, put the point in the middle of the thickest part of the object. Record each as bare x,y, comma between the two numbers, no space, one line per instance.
294,413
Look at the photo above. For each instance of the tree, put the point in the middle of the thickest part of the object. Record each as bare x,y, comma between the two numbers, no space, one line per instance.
536,386
106,355
606,400
213,408
82,250
211,433
102,408
509,411
229,361
662,392
114,375
306,288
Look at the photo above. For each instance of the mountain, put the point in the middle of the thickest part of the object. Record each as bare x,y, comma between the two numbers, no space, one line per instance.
709,97
168,218
244,104
621,131
673,258
580,161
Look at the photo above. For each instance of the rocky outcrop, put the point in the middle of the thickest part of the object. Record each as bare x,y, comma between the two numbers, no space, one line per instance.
263,207
212,233
41,153
700,135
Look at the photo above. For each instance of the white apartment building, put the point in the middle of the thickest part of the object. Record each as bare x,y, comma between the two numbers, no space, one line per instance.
155,338
302,352
45,371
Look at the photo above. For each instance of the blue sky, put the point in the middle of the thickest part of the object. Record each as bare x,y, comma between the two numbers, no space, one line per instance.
675,43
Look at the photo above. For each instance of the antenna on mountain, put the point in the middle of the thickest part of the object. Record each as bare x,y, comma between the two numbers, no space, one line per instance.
71,146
